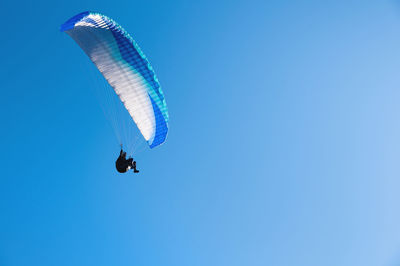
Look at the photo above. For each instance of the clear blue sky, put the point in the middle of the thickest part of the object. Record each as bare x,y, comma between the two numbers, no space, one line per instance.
283,150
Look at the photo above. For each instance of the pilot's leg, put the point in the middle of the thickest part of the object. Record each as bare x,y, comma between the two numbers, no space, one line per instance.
134,167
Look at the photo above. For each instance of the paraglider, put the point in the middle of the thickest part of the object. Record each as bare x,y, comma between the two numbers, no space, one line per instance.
123,165
127,70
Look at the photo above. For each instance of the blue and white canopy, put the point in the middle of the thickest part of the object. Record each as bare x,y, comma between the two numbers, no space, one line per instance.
127,70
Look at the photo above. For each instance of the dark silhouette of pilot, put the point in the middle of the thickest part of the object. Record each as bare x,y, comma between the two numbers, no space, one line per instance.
123,165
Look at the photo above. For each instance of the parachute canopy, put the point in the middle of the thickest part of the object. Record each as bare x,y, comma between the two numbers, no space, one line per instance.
126,69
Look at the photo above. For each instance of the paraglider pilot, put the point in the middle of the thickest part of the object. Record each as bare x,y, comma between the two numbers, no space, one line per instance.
123,165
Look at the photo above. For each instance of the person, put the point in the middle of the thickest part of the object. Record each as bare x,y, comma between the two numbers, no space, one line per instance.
123,165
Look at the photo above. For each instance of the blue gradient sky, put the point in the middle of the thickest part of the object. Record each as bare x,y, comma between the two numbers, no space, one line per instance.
284,142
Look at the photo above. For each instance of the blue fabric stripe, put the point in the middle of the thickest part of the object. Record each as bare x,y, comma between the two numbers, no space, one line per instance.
161,126
70,23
